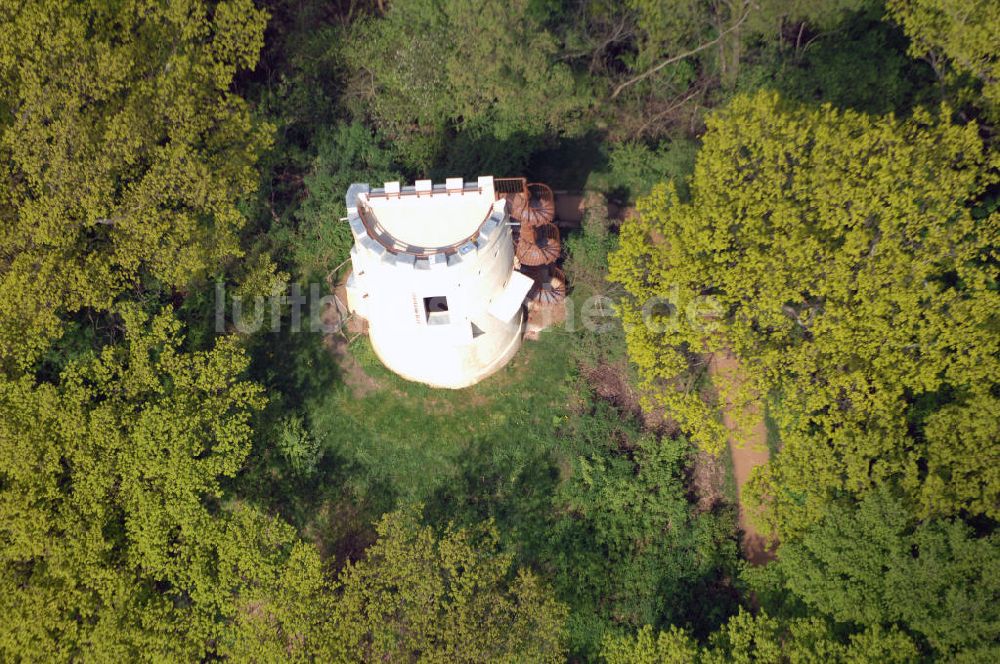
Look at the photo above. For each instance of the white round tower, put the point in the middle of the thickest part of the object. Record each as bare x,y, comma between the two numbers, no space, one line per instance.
434,277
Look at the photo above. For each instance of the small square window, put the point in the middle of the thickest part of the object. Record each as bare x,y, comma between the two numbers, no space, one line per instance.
436,309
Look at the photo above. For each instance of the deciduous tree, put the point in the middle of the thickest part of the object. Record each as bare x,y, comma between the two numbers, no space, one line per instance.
113,538
447,598
123,149
960,33
875,564
844,267
762,639
483,76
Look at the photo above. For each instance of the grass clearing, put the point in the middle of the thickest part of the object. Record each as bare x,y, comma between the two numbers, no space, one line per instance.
415,440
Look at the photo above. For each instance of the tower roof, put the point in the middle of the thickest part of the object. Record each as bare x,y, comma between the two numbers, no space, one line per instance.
426,217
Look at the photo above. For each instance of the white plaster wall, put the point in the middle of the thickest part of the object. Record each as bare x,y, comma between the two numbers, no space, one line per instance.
388,291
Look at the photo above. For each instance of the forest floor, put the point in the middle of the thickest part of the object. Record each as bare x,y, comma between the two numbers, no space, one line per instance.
570,206
748,448
336,316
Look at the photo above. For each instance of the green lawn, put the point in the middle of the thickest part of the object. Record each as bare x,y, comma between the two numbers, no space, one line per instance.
417,441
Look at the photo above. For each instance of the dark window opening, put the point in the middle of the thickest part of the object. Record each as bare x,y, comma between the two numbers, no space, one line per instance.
436,309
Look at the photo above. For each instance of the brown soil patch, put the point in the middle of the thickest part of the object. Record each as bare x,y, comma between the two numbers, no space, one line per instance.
360,383
340,530
747,454
337,316
542,316
570,207
610,381
707,481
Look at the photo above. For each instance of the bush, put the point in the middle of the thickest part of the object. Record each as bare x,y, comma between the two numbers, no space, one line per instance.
298,446
346,153
628,548
635,167
588,249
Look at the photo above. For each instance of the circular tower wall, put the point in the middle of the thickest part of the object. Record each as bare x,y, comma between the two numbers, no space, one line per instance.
433,275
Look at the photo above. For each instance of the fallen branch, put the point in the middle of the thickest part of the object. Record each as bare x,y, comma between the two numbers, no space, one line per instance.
649,72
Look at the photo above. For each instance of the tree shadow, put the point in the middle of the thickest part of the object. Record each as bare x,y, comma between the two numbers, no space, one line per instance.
862,66
292,365
516,491
560,162
568,163
295,368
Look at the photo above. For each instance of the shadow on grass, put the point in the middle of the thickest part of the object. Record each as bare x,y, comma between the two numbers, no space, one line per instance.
299,375
516,490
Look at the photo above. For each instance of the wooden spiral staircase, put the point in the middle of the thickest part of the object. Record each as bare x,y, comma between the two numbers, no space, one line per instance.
538,245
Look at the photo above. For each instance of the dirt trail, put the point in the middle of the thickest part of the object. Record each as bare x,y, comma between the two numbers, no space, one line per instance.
747,454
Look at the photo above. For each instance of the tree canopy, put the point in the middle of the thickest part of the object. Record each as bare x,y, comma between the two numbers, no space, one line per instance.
962,34
817,186
463,80
804,249
762,639
115,543
124,152
417,595
875,564
849,262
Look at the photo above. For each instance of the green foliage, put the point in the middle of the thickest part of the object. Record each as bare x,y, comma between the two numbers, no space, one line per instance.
300,79
862,65
587,262
124,153
417,595
837,250
462,79
628,548
837,254
284,616
747,639
672,646
771,15
297,88
663,28
517,448
298,446
837,51
761,639
853,322
635,167
404,440
346,154
620,44
113,540
963,33
875,564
